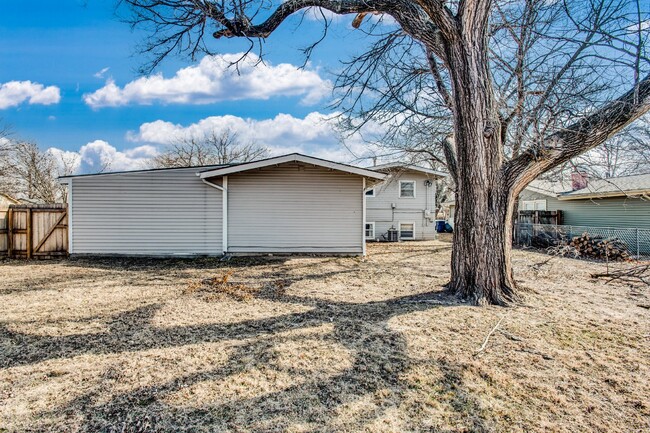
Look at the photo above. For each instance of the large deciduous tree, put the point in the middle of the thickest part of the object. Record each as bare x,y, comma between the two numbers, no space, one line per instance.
507,90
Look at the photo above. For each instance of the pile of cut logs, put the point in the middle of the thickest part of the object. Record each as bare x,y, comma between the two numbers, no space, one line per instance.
599,248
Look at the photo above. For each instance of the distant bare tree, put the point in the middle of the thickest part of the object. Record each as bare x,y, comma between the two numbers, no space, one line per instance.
5,132
625,154
30,173
213,148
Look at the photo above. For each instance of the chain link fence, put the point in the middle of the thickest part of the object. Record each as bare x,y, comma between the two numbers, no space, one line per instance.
548,235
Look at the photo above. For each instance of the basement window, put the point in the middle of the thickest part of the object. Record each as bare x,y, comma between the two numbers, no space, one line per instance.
370,230
407,189
407,231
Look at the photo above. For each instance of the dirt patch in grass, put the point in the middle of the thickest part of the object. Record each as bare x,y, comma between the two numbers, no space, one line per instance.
318,344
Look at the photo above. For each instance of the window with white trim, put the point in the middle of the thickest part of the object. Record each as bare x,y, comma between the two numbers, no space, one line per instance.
407,230
370,230
370,193
533,205
406,189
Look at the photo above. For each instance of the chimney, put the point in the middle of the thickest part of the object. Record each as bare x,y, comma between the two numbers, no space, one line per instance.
374,161
578,180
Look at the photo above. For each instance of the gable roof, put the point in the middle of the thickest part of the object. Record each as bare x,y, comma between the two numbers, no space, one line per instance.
292,157
611,187
393,165
547,187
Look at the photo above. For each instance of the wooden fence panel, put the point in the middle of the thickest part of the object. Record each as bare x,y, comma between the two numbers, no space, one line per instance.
29,231
3,232
540,217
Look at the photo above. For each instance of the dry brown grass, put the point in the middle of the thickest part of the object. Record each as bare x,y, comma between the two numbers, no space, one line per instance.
317,344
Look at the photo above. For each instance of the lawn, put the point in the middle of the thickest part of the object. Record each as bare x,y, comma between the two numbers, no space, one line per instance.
318,344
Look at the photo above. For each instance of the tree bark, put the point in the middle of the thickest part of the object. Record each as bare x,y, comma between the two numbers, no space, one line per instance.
481,267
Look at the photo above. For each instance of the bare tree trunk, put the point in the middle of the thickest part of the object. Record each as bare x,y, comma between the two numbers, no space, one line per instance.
481,267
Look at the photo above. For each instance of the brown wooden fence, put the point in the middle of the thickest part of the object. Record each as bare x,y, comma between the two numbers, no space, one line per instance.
34,231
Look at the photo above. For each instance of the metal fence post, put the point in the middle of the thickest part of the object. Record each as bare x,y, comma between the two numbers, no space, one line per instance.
638,252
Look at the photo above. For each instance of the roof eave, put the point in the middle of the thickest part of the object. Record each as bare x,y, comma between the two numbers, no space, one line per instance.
410,167
604,194
294,157
541,191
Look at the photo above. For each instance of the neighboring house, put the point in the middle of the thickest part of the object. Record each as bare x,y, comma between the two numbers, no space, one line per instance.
6,200
287,204
622,202
405,201
619,202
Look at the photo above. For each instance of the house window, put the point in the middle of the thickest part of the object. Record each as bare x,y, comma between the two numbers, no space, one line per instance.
370,230
407,230
533,205
370,193
407,189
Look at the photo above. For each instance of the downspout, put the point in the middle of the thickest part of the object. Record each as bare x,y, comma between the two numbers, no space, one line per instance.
224,210
363,217
70,228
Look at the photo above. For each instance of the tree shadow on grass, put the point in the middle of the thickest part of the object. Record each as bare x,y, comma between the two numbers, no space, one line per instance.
379,359
367,388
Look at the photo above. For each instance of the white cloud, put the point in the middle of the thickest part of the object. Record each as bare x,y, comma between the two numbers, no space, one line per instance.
100,74
14,93
67,161
315,134
97,156
214,80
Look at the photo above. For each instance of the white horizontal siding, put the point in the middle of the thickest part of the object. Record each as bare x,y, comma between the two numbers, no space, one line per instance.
295,208
379,209
149,213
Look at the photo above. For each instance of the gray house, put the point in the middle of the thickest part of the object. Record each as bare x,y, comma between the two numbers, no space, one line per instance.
288,204
405,201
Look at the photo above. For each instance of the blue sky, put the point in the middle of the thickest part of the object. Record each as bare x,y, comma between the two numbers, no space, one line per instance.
69,78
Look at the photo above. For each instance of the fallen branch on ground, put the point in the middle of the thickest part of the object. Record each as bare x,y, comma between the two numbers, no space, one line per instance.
639,273
487,337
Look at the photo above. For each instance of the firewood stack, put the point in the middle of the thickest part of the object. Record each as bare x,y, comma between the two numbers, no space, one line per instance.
599,248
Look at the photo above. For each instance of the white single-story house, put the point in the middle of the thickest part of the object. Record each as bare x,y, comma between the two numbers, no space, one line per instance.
405,202
287,204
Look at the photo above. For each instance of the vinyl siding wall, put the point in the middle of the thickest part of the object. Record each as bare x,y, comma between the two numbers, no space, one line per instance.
407,210
623,212
150,213
295,208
